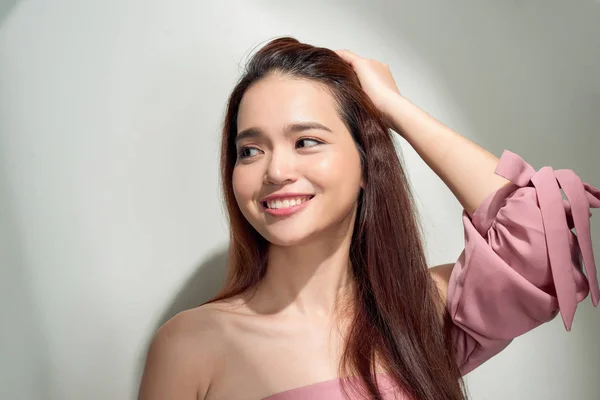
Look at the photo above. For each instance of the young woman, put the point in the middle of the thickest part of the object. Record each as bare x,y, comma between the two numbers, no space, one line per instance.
328,293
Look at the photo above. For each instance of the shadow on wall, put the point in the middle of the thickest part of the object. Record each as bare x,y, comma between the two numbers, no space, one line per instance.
26,369
6,7
203,285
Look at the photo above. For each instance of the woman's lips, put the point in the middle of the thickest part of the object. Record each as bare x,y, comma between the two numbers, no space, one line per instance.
285,211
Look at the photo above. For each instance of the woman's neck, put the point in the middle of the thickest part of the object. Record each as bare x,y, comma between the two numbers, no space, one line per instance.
310,280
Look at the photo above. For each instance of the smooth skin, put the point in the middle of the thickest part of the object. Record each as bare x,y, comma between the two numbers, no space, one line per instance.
242,347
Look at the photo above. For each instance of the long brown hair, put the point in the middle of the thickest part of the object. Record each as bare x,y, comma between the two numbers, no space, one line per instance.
396,319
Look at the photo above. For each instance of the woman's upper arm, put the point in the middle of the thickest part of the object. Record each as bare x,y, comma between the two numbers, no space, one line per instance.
176,366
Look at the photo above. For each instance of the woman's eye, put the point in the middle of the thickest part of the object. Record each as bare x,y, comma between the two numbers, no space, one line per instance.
304,143
246,152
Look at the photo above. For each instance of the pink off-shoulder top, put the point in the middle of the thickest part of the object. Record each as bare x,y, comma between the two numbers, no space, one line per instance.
521,265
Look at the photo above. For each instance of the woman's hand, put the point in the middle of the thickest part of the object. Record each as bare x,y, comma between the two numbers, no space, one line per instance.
376,80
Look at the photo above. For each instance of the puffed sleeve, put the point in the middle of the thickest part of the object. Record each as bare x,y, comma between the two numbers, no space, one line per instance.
521,263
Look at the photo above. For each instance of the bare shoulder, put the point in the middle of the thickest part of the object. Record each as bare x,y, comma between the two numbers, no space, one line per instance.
185,353
441,276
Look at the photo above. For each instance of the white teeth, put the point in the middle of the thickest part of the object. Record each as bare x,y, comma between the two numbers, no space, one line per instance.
275,204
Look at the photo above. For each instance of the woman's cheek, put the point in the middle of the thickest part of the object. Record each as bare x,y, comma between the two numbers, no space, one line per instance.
241,188
324,164
338,167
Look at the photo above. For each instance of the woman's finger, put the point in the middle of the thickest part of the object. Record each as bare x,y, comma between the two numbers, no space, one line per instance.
348,56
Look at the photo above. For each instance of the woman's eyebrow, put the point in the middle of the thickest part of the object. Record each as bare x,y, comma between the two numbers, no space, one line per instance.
252,133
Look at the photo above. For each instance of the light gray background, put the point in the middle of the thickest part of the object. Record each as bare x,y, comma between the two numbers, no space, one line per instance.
110,213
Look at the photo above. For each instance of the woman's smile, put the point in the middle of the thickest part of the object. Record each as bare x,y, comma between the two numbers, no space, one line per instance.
284,205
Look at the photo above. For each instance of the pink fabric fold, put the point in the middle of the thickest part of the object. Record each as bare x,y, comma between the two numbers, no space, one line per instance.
522,263
332,390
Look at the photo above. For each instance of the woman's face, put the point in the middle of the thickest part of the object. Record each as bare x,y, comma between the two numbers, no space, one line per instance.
298,171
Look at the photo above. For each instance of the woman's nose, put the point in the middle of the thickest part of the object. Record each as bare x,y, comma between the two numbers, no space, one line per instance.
281,169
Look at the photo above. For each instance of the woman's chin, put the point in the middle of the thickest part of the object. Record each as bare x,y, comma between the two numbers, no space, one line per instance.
288,239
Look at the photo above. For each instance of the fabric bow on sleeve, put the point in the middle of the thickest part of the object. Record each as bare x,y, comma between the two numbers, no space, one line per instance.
559,216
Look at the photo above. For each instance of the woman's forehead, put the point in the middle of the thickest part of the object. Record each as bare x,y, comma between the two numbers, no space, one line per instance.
275,102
